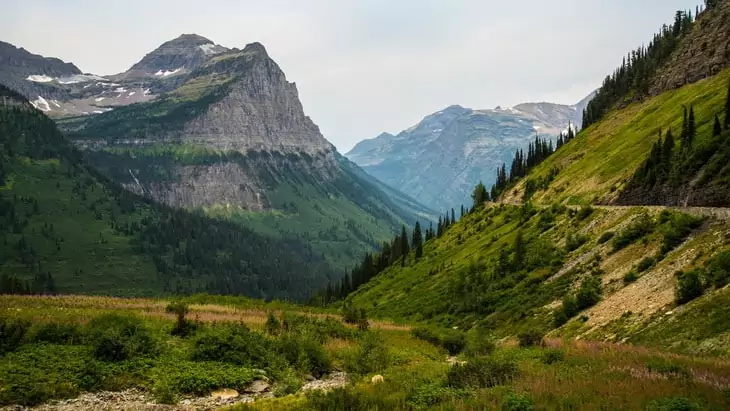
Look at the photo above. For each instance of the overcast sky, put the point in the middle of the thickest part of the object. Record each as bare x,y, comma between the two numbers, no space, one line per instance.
367,66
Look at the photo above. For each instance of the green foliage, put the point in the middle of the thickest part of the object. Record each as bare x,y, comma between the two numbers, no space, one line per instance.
574,242
605,237
117,337
479,342
517,402
584,213
637,230
482,372
689,286
673,404
675,229
631,277
433,394
589,293
718,269
350,399
199,378
12,332
305,354
645,264
372,355
668,368
56,333
321,329
235,344
272,325
531,337
183,327
453,341
552,356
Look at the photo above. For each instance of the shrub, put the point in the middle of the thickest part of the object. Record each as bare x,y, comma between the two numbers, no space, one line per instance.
199,378
319,329
605,237
638,229
236,344
673,404
552,356
645,264
517,402
589,293
117,337
350,313
433,394
305,354
574,242
481,372
676,227
183,327
568,310
667,368
12,332
426,334
451,340
689,286
273,325
531,337
631,277
351,399
479,342
718,269
584,213
371,356
57,333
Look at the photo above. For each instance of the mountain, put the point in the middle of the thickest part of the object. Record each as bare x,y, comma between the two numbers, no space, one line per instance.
438,160
232,140
623,157
66,228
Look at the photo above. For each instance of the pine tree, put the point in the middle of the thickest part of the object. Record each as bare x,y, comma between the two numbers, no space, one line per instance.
519,251
418,240
727,108
691,130
685,128
668,147
716,128
405,249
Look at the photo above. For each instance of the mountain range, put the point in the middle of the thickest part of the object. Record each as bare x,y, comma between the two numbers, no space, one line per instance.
438,160
220,132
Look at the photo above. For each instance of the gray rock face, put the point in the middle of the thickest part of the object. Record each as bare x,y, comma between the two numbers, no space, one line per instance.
439,160
261,111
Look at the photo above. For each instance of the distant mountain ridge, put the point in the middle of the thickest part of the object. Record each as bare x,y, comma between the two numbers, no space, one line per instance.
438,160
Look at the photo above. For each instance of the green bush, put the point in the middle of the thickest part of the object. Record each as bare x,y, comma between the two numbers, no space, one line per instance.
432,394
426,334
199,378
553,356
117,337
574,242
589,293
351,399
718,269
631,277
689,286
12,332
481,372
57,333
667,368
673,404
567,310
584,213
645,264
320,329
676,228
273,325
305,354
453,341
531,337
638,229
479,342
605,237
236,344
183,327
371,356
517,402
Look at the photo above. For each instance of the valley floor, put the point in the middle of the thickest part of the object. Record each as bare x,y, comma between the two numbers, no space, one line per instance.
559,374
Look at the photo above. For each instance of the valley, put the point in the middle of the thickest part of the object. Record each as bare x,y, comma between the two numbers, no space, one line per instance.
182,236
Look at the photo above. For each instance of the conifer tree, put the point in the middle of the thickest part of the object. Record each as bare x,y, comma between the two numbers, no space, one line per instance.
716,128
418,240
405,249
453,216
691,130
668,147
727,108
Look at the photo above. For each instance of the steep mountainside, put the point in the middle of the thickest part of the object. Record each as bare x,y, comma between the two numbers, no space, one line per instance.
233,140
438,160
65,228
605,273
628,155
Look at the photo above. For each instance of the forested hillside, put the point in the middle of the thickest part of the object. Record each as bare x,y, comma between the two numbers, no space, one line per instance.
65,228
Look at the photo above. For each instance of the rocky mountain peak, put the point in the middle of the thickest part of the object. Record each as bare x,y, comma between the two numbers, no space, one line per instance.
184,53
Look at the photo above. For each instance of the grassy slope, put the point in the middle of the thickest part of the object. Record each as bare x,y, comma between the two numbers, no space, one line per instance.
591,375
426,291
603,157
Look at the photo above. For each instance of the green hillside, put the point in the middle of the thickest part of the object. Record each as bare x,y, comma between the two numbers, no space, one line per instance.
598,164
511,269
65,228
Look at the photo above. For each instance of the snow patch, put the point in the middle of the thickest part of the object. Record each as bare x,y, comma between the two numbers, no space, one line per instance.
98,111
98,99
209,48
55,103
147,92
168,73
41,104
120,90
40,78
132,93
79,78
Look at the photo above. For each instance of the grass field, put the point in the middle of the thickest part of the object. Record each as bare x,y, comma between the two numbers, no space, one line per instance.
561,374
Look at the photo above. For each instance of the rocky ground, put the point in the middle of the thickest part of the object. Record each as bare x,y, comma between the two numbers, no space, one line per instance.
139,400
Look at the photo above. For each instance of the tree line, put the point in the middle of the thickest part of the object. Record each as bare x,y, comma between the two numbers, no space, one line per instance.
638,67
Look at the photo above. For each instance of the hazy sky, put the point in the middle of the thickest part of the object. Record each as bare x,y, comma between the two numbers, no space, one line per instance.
363,67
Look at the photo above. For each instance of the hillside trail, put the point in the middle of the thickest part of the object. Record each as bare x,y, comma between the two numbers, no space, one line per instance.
721,213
